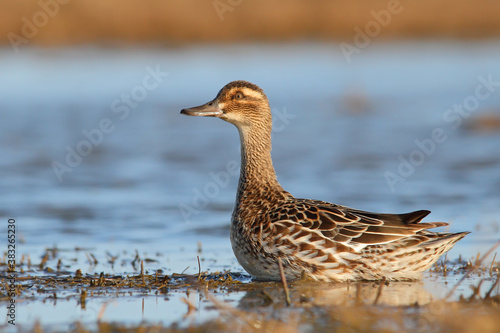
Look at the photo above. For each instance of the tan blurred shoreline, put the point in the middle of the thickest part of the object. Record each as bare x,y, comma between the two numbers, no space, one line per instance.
62,22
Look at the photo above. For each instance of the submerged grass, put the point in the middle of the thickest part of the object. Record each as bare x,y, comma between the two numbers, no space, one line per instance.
351,307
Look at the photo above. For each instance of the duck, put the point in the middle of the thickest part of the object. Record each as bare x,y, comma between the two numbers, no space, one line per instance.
272,232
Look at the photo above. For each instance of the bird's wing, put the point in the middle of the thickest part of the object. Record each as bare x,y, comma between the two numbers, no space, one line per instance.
309,225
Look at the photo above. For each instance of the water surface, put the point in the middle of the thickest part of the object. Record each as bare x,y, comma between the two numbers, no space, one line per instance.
164,185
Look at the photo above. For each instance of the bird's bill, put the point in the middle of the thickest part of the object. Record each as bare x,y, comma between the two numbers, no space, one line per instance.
210,109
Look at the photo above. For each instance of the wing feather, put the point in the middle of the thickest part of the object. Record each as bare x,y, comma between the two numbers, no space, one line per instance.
317,224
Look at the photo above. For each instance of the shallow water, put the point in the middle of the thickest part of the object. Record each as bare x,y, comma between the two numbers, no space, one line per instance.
164,184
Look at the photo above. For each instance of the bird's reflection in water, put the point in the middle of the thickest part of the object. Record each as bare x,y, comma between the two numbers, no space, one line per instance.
381,293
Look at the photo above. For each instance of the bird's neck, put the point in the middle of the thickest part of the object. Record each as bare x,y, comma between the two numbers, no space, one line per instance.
257,176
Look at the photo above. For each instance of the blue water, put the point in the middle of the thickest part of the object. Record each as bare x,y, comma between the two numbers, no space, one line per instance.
159,183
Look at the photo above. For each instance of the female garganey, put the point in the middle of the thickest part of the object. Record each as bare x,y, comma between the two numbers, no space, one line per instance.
312,238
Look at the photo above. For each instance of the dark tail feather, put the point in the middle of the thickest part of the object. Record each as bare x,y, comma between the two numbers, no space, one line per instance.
414,217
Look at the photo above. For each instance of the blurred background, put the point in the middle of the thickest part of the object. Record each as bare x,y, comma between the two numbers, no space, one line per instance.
388,106
177,22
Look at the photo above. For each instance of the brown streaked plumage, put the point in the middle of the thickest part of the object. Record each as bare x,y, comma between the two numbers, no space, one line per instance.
316,239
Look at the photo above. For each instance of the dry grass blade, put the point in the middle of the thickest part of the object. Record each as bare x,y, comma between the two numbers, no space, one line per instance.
487,295
101,281
473,267
94,259
199,268
44,261
142,273
492,264
475,291
285,285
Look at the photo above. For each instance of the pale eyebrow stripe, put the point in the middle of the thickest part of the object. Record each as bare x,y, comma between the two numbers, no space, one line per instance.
251,93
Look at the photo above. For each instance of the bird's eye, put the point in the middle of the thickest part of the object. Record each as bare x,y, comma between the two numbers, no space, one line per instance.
239,95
